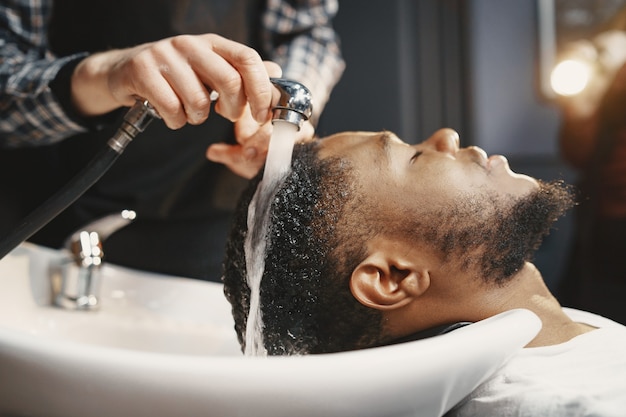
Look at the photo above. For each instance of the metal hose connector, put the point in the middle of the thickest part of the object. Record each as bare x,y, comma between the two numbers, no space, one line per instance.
135,121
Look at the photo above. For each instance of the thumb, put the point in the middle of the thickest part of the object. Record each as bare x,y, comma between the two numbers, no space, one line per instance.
244,163
220,152
225,153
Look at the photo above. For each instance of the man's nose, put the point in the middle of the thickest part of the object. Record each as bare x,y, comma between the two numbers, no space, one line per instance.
445,140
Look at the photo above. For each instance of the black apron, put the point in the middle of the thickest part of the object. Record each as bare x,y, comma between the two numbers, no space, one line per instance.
183,202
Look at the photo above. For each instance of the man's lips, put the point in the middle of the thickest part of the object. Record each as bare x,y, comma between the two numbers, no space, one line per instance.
479,156
495,161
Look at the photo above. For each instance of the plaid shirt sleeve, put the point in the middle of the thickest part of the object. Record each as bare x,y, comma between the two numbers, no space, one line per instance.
30,114
299,37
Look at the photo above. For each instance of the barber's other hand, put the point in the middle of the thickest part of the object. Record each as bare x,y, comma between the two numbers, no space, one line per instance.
248,156
176,75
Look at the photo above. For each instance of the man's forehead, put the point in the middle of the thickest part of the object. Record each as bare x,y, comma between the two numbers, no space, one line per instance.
343,142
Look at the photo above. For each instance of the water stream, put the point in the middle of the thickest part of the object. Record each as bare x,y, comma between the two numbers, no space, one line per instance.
277,167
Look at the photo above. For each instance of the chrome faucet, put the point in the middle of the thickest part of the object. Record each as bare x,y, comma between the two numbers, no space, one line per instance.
294,105
75,278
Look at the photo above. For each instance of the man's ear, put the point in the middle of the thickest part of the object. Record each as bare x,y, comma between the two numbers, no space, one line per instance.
387,282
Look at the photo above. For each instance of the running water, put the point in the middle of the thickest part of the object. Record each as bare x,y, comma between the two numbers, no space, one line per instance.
277,167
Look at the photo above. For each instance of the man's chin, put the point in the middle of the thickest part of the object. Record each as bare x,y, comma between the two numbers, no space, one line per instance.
528,183
517,235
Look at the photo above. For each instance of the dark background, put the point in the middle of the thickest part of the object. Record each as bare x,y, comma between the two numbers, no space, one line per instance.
414,66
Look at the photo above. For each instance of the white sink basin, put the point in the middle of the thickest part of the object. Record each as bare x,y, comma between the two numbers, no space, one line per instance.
165,346
140,311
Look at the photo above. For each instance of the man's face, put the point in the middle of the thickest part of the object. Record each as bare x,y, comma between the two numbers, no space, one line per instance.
467,207
434,173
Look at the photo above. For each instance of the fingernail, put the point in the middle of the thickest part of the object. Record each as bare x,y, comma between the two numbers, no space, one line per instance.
197,117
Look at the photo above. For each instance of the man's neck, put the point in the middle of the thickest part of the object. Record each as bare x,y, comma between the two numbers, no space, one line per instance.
468,299
528,290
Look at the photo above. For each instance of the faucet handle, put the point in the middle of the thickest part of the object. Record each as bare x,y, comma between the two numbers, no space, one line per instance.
76,281
102,227
85,244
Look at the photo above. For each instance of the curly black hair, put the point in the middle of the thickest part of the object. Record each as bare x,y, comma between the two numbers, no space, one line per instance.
320,224
306,302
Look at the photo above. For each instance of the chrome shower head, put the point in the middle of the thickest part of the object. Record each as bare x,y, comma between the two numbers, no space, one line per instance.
294,105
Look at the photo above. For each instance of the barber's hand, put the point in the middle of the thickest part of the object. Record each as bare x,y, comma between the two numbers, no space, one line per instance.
248,156
176,75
